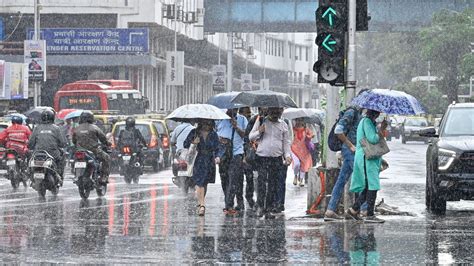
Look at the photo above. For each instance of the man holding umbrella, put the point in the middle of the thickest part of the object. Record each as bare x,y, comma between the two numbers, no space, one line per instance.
231,133
273,153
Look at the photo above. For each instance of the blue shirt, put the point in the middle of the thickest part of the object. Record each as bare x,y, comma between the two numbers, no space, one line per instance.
348,124
224,130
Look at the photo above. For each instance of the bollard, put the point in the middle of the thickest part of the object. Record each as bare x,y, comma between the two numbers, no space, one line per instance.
320,183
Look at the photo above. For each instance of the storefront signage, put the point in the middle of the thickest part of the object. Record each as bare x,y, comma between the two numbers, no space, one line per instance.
94,41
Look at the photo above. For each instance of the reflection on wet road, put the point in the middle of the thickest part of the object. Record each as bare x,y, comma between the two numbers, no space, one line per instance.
153,222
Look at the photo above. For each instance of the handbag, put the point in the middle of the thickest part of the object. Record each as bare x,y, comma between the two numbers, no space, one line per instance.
372,151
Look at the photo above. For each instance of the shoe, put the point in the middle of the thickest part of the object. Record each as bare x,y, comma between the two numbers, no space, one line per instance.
201,210
295,181
330,216
230,212
302,182
352,216
363,213
260,212
373,219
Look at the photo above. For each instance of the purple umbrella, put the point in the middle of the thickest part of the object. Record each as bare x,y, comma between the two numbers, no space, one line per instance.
389,101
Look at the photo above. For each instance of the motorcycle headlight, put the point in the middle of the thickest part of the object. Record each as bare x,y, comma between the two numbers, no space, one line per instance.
445,158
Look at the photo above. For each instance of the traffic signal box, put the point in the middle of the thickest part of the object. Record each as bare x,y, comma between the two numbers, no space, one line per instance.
331,28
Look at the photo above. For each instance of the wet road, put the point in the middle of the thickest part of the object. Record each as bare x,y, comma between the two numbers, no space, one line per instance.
153,222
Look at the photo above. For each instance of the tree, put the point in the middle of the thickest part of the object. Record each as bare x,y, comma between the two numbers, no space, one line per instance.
445,43
432,100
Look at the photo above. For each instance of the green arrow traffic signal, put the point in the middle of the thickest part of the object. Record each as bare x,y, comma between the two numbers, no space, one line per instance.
330,12
327,43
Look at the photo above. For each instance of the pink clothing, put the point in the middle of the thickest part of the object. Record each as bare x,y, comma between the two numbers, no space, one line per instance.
299,148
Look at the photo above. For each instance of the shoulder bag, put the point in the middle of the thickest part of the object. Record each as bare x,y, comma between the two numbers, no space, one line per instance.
372,151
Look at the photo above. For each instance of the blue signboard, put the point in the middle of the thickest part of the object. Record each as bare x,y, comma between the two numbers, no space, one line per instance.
2,29
94,41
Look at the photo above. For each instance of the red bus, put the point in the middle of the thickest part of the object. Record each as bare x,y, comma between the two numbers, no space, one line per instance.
101,95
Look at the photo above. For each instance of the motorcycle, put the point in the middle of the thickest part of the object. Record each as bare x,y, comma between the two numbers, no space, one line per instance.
130,166
87,173
43,173
181,177
16,168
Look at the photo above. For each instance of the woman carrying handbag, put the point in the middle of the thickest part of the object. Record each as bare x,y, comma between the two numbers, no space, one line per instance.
365,180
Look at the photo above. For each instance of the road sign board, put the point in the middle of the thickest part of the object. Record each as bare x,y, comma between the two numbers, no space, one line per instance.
35,58
246,82
218,77
94,41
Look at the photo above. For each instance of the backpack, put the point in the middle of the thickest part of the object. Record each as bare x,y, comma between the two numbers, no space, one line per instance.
334,143
128,138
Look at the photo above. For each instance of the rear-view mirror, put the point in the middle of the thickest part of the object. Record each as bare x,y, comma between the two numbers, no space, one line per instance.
429,132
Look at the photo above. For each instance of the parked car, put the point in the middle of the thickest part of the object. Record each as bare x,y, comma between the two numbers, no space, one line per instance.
450,158
411,128
153,156
164,134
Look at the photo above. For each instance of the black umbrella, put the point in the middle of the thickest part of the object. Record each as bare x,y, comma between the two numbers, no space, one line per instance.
264,98
34,114
223,100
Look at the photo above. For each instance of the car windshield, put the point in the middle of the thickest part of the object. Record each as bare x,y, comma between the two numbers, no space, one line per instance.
460,122
160,127
143,128
416,123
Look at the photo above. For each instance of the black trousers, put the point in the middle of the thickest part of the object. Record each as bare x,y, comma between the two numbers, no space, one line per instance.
269,169
249,188
224,174
235,177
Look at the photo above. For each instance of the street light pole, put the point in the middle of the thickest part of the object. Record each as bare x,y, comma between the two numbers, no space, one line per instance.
37,87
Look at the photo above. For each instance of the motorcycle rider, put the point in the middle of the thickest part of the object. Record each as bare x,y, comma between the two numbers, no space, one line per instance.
16,136
133,138
89,136
47,137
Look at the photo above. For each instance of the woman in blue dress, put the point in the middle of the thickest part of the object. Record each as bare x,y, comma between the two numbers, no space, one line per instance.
204,169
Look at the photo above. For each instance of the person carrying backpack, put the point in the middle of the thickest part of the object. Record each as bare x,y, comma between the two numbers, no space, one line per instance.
345,131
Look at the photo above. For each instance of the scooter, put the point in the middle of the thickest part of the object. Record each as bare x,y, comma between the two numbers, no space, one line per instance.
16,168
181,177
43,172
87,173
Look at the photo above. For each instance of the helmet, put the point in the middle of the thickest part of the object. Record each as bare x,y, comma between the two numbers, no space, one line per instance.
130,122
16,119
47,116
86,117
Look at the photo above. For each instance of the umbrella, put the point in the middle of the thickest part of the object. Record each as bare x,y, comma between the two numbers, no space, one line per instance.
264,98
309,115
224,100
62,114
193,112
73,114
34,114
389,102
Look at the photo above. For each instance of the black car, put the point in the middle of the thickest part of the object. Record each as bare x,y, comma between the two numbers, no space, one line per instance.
450,158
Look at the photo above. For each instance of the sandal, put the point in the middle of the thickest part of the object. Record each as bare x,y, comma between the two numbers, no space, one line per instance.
201,210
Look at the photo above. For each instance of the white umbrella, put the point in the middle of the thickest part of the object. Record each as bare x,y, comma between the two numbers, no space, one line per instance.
293,113
192,112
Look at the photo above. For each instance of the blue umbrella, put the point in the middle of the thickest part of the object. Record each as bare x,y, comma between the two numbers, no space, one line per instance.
389,101
73,114
224,100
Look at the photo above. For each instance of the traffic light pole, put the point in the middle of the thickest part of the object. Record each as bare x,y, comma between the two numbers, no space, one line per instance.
37,87
351,74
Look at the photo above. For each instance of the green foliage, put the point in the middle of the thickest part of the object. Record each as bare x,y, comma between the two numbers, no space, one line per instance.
445,43
432,100
467,66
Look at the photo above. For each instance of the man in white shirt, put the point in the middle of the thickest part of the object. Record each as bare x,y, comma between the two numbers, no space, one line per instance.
272,153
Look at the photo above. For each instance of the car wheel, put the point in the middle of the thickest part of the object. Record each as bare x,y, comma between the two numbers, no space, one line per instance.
434,202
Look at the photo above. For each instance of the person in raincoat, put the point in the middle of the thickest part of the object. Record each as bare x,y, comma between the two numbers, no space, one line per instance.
301,149
204,169
365,177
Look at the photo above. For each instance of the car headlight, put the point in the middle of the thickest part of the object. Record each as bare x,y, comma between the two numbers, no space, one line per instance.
445,158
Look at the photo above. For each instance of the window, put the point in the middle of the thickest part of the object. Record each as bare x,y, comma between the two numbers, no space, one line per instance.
300,53
143,128
307,54
85,102
127,105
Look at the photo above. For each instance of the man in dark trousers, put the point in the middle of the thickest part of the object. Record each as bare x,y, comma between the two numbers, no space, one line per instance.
248,166
273,152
